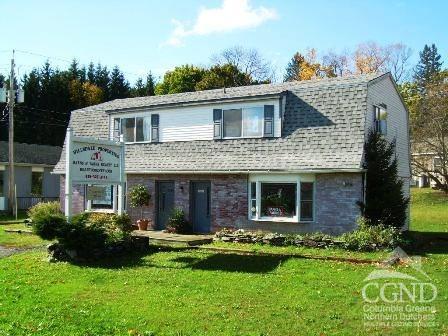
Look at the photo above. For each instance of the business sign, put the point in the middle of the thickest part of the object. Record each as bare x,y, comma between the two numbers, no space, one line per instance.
96,193
95,163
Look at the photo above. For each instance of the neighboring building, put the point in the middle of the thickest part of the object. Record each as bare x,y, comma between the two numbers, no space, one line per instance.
33,167
282,157
434,166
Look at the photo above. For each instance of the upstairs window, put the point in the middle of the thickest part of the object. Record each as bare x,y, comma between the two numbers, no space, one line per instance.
245,122
380,119
135,129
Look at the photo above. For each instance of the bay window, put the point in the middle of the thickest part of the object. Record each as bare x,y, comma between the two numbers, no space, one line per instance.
289,199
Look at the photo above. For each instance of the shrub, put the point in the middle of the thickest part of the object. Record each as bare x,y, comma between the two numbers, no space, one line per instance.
138,197
43,209
369,237
177,222
49,226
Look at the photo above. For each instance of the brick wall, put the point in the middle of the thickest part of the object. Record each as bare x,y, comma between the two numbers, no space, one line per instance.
228,196
335,201
78,203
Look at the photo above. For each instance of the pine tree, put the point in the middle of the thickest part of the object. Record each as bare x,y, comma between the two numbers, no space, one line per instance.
385,201
428,67
102,80
150,85
91,73
119,87
139,89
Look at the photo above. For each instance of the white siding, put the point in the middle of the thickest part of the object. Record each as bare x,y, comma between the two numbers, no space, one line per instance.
195,122
383,91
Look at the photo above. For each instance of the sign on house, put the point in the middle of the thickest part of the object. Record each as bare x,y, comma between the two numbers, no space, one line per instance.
95,163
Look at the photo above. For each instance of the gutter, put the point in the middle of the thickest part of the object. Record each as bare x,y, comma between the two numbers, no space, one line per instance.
194,103
268,171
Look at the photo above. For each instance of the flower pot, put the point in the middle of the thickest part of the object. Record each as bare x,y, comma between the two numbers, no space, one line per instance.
143,224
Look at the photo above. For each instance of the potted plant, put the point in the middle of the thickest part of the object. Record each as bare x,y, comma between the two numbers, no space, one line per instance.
139,196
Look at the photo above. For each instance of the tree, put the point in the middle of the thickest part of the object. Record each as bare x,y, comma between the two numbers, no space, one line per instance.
306,67
430,133
340,64
102,80
220,76
248,61
397,61
385,202
91,73
150,85
428,67
139,89
84,94
182,79
119,87
370,57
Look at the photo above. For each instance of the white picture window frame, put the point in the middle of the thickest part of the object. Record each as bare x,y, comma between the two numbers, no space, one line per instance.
257,180
244,112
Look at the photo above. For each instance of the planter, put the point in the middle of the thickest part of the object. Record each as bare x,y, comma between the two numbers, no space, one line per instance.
143,224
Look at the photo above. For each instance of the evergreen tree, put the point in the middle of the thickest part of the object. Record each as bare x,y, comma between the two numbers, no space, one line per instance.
102,80
139,89
119,86
150,85
2,81
385,202
428,68
91,73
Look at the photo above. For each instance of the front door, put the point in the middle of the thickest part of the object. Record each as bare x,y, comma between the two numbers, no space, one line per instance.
164,202
201,206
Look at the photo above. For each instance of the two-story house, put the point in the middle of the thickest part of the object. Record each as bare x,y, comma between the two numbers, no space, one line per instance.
282,157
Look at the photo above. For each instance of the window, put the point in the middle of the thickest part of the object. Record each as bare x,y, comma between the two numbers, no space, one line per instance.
2,183
128,129
232,123
253,199
133,129
142,129
253,121
380,119
437,163
106,201
36,183
306,201
246,122
278,199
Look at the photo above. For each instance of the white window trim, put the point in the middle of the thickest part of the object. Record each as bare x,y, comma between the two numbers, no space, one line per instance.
242,123
258,179
135,129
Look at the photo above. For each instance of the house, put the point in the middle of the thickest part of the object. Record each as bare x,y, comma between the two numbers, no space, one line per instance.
433,166
33,166
284,157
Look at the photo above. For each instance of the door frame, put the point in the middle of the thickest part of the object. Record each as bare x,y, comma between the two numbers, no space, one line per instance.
156,201
193,202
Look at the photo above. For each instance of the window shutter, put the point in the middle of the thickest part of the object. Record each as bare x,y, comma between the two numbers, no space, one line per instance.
154,128
268,121
217,124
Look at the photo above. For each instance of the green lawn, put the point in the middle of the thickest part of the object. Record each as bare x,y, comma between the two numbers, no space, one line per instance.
18,239
194,292
429,210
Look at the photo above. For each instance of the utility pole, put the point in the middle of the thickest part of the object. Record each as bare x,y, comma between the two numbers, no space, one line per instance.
11,101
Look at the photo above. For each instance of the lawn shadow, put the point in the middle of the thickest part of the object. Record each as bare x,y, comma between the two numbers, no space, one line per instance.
428,242
239,263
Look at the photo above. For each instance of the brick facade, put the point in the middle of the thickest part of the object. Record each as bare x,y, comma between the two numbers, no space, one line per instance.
336,197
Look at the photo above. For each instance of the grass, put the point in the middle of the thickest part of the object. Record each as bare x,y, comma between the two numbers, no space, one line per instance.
8,239
429,210
5,217
195,292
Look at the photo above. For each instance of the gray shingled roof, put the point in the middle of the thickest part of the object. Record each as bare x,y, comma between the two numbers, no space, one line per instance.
31,153
323,129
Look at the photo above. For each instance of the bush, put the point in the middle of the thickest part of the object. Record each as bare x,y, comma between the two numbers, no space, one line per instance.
177,222
369,237
43,209
49,226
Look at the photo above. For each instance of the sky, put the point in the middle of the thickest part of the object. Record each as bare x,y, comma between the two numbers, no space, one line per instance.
141,36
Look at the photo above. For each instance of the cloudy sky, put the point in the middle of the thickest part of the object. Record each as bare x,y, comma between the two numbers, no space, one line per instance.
148,35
